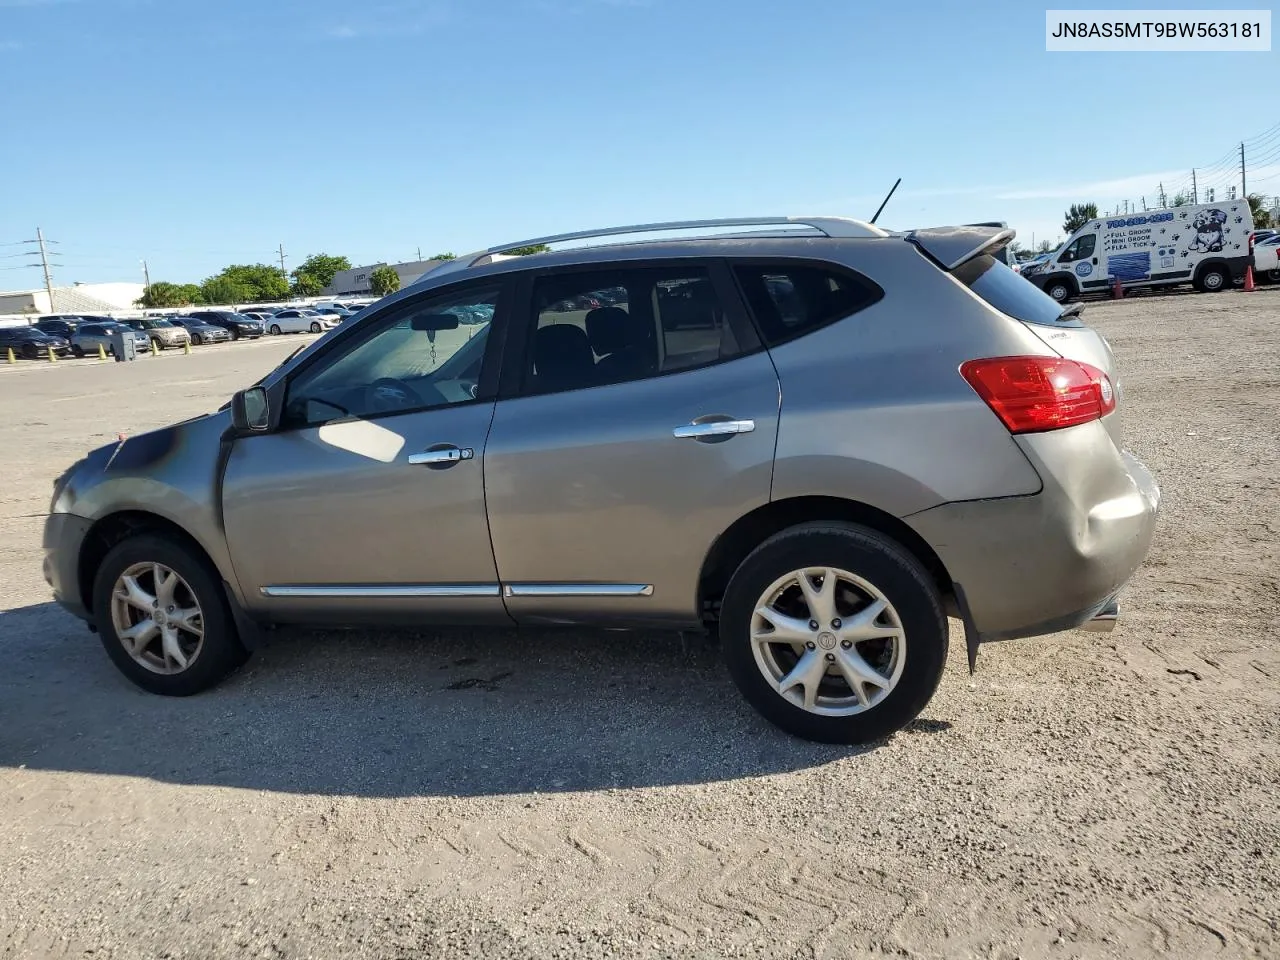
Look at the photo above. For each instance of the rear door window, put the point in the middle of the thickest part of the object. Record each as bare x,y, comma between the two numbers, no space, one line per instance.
1011,294
790,300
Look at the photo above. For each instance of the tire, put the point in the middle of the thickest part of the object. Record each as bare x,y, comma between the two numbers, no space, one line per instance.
275,329
77,352
31,351
1060,290
315,328
879,563
195,340
235,334
1214,279
220,651
156,346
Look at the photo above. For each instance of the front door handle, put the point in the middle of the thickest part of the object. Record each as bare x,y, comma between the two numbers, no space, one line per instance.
722,429
443,455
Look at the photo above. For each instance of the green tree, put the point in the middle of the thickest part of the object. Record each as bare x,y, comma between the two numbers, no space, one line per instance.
1181,199
1258,208
223,290
1046,246
162,294
1078,215
383,281
191,293
445,256
316,273
526,251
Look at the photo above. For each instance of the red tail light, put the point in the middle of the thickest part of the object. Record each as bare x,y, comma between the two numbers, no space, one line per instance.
1041,393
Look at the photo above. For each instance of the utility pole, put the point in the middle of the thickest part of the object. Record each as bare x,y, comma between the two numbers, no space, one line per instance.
419,253
146,276
1195,192
1164,205
1244,190
44,260
282,269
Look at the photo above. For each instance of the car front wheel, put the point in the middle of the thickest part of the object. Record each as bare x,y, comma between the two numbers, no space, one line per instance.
163,618
834,632
275,329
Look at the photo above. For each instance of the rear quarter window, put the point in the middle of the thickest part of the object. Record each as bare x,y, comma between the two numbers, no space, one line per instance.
789,300
1011,294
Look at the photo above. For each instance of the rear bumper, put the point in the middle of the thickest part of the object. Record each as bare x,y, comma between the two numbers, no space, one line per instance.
64,534
1026,566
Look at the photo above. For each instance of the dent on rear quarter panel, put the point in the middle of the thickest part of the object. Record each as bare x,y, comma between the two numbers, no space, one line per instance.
874,408
170,472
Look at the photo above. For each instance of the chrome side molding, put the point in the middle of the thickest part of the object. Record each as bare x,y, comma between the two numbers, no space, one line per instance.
577,590
390,591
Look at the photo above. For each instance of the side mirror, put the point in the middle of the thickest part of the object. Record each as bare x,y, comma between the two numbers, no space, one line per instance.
249,410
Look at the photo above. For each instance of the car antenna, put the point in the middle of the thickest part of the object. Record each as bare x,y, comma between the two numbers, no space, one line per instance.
880,209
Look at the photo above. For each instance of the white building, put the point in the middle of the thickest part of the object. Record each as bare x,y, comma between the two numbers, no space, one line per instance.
79,298
355,282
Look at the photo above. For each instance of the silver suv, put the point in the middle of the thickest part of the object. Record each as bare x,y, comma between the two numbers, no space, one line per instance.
814,437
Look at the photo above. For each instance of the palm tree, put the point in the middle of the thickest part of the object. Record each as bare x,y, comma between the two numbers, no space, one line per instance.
1258,207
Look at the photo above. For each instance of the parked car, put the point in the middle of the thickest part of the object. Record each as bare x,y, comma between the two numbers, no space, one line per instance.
299,321
1029,268
1205,245
915,432
60,326
238,325
1266,257
201,331
162,333
261,315
89,336
31,343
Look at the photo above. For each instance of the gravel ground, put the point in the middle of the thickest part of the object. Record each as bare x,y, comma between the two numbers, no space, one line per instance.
370,795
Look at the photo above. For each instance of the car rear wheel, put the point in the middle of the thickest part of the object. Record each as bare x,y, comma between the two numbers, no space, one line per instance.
275,329
834,633
163,618
31,351
1214,279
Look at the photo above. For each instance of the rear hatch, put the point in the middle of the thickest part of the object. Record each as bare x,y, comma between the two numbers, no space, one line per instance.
1059,327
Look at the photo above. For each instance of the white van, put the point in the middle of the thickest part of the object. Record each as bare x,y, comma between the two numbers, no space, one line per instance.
1206,245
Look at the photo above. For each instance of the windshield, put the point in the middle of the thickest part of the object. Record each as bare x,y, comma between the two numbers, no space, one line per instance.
1011,294
153,324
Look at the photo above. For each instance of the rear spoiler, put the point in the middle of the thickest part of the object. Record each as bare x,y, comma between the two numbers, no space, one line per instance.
951,247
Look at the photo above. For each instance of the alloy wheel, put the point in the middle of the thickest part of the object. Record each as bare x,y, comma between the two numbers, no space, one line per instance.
157,618
828,641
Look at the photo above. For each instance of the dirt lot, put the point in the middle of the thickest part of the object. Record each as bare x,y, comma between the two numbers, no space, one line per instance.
455,795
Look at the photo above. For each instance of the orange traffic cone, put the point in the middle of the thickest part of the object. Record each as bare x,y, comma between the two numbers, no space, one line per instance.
1117,290
1249,285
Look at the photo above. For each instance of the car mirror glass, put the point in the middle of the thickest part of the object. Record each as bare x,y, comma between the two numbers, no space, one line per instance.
249,410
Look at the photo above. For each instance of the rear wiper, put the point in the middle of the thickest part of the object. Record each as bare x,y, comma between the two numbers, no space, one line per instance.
1072,311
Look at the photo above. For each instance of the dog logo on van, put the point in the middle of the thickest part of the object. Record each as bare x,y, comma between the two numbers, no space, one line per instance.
1084,268
1208,227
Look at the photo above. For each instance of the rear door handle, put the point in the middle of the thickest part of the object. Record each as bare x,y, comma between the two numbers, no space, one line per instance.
442,456
713,428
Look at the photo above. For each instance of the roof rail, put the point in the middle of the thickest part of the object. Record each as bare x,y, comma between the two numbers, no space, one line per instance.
836,227
827,226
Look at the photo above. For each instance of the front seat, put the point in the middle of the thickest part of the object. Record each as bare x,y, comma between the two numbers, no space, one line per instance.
622,342
562,358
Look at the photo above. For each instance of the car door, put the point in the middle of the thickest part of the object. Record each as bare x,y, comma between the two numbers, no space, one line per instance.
1081,258
637,421
367,502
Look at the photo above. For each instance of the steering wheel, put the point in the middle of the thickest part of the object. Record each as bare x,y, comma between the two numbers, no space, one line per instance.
387,395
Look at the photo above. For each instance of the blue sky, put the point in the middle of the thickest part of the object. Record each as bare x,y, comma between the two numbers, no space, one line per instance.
196,134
